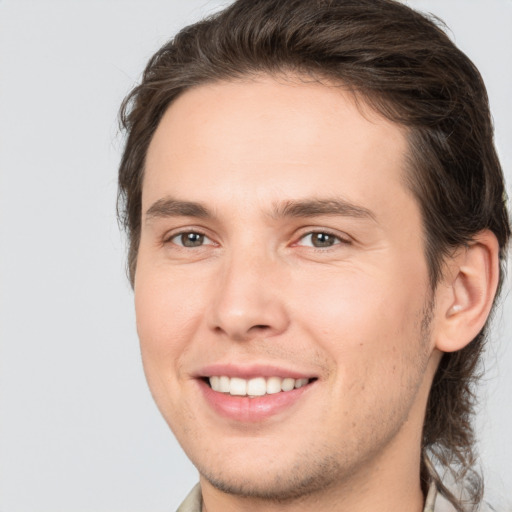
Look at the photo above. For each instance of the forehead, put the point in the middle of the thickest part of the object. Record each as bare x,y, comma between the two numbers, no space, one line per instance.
273,139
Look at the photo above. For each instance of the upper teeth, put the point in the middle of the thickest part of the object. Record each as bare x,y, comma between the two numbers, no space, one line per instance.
257,386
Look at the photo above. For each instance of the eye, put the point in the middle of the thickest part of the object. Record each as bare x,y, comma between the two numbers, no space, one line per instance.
190,239
320,239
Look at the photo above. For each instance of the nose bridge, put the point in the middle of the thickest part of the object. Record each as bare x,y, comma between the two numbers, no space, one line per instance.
247,302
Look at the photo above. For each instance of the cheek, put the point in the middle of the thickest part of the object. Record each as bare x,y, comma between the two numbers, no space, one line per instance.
344,299
370,332
166,317
367,323
167,312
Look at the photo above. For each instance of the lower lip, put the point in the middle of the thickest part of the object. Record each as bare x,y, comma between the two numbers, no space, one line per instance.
249,410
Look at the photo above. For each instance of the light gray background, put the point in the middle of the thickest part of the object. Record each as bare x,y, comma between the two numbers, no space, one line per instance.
78,429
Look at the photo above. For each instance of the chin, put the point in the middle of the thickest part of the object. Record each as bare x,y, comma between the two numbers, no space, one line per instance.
289,478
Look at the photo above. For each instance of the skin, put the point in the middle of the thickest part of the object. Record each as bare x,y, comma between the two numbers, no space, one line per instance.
359,315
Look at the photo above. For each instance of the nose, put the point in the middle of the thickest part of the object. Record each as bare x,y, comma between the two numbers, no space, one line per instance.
248,301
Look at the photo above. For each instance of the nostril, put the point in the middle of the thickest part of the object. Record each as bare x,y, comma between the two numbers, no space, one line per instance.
260,328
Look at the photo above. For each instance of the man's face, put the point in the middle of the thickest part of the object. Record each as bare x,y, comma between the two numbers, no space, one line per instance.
281,249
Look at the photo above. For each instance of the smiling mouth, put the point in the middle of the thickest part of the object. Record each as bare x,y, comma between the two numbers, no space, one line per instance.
255,387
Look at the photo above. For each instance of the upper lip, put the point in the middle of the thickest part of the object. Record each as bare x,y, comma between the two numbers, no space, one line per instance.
249,371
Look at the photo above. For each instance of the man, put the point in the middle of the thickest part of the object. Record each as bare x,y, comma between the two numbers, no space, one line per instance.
316,219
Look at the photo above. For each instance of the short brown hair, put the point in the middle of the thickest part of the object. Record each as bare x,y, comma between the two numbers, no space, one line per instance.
404,66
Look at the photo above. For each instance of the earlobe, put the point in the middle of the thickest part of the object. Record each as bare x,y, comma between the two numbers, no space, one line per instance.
465,298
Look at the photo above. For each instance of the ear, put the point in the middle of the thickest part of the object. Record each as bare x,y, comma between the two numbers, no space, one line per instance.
465,296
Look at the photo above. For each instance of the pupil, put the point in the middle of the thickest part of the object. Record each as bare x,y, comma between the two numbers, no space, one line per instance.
322,240
192,239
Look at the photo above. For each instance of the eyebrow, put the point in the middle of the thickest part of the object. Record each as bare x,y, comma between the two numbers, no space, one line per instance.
316,207
171,207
